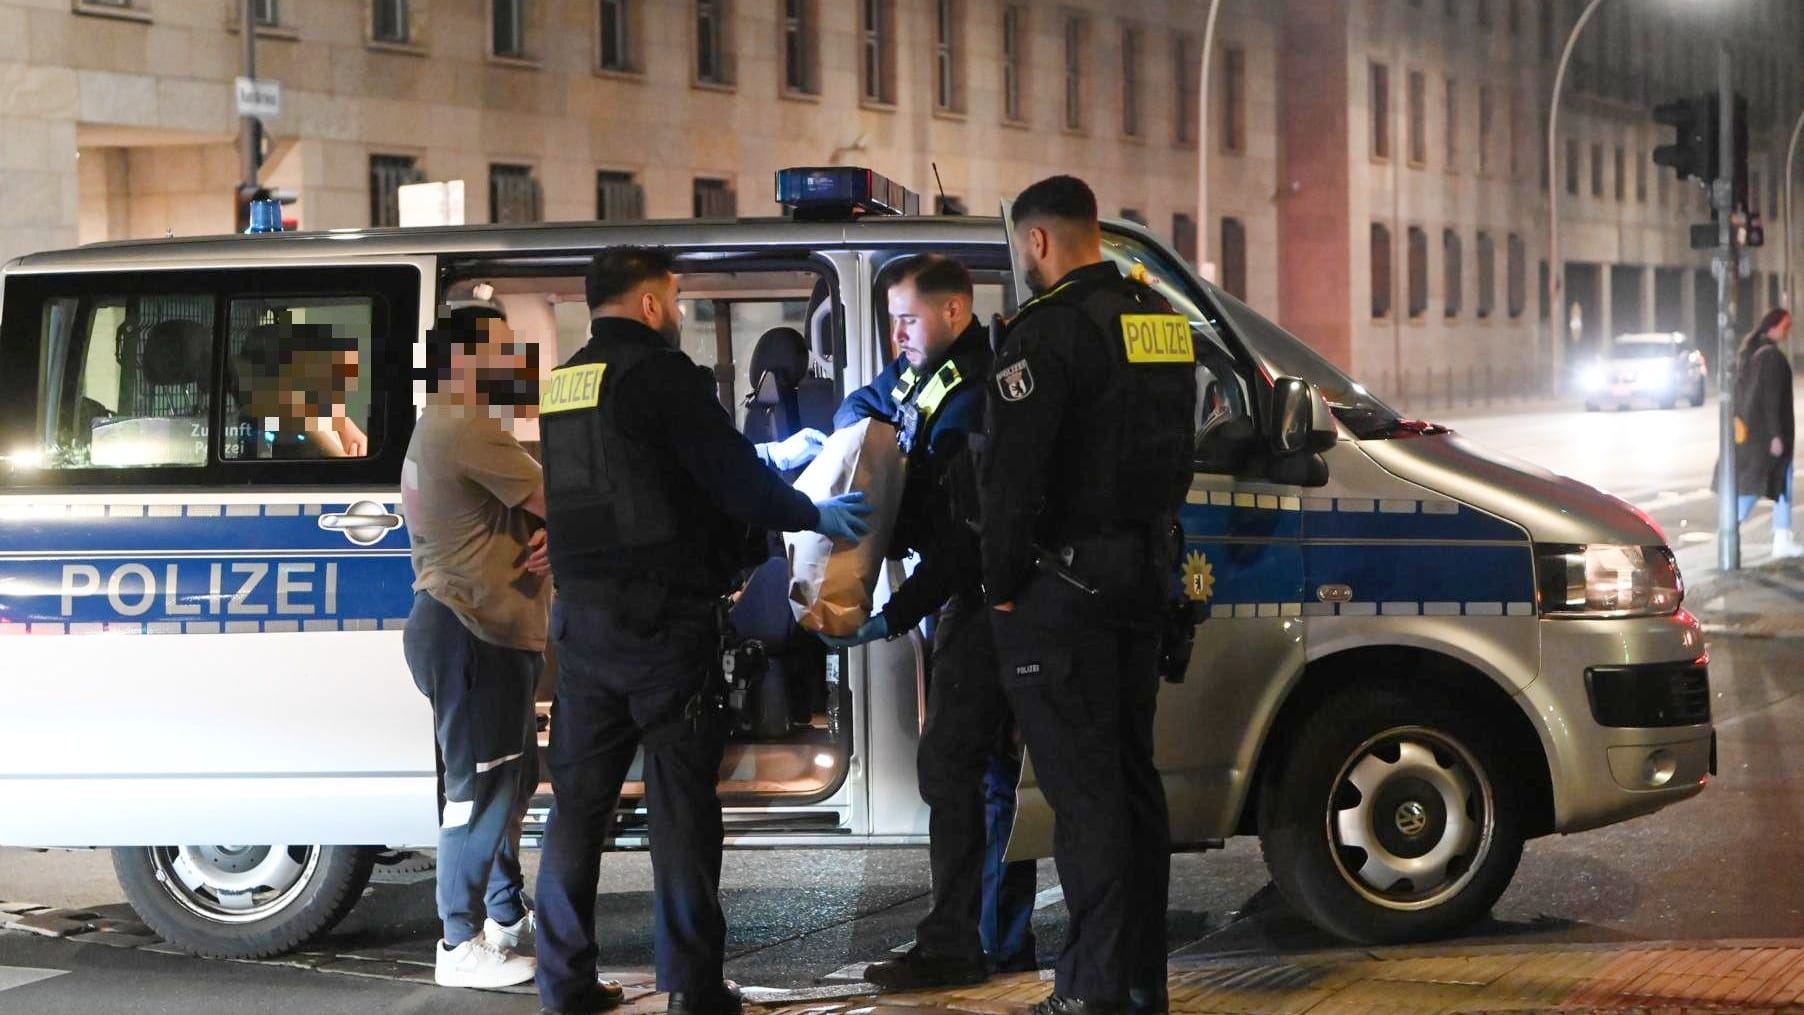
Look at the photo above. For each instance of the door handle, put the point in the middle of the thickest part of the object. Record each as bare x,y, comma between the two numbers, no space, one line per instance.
1334,593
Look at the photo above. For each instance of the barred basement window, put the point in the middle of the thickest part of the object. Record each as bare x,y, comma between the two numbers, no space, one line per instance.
388,174
514,194
618,197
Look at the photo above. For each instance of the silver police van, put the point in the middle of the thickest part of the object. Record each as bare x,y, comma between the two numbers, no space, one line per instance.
1415,656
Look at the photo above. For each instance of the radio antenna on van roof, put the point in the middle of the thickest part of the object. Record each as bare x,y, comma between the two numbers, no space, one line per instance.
938,183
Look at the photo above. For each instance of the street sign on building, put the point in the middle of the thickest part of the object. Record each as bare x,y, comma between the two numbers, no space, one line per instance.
259,97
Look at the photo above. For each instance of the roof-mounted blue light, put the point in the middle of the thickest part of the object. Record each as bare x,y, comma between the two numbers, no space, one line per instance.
837,193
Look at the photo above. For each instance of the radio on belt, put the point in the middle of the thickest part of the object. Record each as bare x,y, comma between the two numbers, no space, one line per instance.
839,193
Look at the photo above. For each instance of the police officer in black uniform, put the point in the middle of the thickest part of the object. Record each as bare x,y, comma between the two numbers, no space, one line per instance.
933,392
652,496
1087,464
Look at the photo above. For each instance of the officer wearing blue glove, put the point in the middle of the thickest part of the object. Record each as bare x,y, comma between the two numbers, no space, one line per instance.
794,451
652,493
934,394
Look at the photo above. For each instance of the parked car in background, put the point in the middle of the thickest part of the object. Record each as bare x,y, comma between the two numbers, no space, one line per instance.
1657,368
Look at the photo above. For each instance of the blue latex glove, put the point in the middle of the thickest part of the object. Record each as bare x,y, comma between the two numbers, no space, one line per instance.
842,517
873,629
794,451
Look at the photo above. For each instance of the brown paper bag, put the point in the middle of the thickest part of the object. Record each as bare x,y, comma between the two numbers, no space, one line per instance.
830,583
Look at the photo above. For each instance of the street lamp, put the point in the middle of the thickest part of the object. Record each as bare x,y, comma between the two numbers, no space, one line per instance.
1791,154
1555,274
1202,137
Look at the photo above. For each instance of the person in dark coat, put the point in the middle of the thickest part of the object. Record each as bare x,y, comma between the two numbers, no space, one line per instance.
1764,427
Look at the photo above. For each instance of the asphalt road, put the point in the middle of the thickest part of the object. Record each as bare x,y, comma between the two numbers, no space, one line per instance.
1723,865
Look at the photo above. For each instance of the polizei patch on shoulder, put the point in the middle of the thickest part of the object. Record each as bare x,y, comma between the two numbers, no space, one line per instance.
1015,381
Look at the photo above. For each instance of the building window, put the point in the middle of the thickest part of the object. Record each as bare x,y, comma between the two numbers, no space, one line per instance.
1130,81
1518,281
1133,215
1454,267
1234,258
1233,100
1514,129
1418,273
1184,69
715,199
1418,118
388,174
389,21
1074,72
266,13
1014,46
507,28
1487,275
1597,170
619,28
1622,175
801,47
1183,236
1661,188
1485,116
513,194
1572,166
1381,270
1452,123
713,42
948,63
1381,111
878,53
618,197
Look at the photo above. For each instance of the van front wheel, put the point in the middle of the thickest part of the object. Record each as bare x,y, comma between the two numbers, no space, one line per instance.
1393,818
242,902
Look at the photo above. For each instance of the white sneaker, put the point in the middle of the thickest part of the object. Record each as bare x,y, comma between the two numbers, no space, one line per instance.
477,963
511,936
1785,545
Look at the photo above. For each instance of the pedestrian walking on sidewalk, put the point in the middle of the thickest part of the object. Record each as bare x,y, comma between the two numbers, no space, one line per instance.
1764,427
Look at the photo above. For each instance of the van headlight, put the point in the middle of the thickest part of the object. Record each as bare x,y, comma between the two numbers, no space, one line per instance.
1607,581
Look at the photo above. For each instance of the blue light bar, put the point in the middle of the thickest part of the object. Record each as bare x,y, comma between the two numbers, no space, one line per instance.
266,216
842,192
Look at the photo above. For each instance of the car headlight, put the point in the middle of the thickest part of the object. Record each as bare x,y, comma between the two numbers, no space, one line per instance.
1607,581
1592,378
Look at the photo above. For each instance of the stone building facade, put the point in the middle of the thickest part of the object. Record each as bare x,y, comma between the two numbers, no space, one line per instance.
1375,165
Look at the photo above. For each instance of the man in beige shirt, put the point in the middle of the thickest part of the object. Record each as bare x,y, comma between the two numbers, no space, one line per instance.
475,503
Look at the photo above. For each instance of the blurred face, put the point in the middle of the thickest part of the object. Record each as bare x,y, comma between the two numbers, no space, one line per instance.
922,327
1032,245
1782,330
659,310
500,370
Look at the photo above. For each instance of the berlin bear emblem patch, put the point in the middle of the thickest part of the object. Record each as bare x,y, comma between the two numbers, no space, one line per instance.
1015,382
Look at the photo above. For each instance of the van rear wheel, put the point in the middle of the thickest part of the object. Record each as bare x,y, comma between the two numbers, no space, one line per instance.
242,902
1393,818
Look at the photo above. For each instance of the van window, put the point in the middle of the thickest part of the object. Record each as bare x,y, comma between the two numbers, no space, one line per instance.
295,385
195,376
125,381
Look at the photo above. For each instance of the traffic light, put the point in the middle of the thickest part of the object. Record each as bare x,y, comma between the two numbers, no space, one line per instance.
1693,153
1696,148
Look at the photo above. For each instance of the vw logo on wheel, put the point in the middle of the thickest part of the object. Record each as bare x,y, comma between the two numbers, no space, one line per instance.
1412,818
363,523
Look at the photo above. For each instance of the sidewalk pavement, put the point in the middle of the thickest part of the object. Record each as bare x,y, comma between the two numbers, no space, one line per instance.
1762,601
1723,977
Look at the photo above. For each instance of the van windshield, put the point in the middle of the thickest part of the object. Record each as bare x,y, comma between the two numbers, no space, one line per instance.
1279,352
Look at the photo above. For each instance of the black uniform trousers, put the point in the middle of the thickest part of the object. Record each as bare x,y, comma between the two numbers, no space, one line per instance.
1084,685
619,687
968,723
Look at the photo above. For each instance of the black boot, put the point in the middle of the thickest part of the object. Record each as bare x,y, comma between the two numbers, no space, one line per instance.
916,970
722,1001
607,996
1058,1005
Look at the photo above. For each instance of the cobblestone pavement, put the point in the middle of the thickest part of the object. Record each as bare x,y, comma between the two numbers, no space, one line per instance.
1721,977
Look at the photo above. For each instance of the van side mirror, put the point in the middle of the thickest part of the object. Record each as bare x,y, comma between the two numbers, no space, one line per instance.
1301,420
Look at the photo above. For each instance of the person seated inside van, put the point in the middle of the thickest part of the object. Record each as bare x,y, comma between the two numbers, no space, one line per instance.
293,383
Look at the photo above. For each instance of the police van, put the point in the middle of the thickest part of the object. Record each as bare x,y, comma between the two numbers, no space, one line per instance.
1415,656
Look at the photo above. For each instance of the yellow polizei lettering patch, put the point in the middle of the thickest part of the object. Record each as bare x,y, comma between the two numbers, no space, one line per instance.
1157,338
577,387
